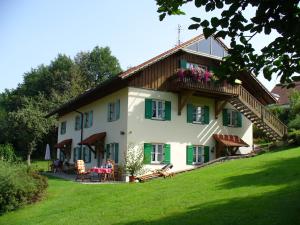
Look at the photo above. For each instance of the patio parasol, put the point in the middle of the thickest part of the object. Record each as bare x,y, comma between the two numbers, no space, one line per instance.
47,154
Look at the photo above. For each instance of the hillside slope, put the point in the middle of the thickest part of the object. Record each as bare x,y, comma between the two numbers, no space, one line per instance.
260,190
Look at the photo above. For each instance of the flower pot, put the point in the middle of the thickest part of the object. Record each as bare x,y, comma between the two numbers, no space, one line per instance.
131,179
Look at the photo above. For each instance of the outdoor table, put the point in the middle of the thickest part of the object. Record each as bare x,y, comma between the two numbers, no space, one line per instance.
101,171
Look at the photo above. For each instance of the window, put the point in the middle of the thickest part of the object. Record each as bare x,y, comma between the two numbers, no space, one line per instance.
63,127
78,122
197,114
112,152
232,118
157,109
114,111
77,153
198,154
61,156
157,153
87,154
194,65
88,119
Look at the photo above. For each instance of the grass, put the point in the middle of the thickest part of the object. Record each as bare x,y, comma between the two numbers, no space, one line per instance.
261,190
41,165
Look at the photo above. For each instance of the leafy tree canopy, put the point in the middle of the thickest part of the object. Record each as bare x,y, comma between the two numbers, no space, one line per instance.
280,58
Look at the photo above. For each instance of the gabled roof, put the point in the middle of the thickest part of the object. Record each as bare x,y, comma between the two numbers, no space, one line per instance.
284,93
120,81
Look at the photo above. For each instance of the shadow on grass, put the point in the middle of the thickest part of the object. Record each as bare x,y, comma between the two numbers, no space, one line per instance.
280,207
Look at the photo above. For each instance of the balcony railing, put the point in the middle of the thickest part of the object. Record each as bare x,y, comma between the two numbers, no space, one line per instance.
234,91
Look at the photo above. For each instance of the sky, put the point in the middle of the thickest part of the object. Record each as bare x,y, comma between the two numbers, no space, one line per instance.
34,32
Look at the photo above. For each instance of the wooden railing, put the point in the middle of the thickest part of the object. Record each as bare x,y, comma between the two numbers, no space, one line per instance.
235,91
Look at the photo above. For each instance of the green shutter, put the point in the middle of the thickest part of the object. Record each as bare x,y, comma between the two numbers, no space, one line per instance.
183,64
167,110
91,119
147,153
167,153
206,115
116,152
75,154
108,113
107,151
206,154
225,117
87,155
239,119
79,153
148,108
118,109
190,110
189,154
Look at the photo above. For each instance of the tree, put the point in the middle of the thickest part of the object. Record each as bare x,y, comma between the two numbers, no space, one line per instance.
29,124
97,65
280,58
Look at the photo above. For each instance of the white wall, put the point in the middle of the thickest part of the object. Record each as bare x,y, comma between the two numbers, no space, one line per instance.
100,124
177,132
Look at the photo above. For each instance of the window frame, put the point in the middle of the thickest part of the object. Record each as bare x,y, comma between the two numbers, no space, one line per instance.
155,153
88,119
158,110
201,154
112,152
63,127
190,65
78,122
232,122
195,113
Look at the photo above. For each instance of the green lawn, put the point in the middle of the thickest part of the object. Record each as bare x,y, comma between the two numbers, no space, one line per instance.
260,191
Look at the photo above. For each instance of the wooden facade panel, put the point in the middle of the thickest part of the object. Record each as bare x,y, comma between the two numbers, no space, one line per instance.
155,76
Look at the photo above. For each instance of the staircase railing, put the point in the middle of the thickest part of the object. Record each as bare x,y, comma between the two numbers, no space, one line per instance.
261,111
243,95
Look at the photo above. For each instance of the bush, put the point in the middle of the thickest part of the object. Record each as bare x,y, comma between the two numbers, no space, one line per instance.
19,185
295,123
294,137
7,153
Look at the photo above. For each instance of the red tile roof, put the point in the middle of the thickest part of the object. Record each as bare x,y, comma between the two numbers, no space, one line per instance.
161,56
284,93
230,140
91,140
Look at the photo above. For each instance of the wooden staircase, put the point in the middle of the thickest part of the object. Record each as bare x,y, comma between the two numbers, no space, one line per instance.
258,114
239,97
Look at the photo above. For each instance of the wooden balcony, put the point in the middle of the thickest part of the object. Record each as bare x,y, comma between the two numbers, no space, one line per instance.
237,95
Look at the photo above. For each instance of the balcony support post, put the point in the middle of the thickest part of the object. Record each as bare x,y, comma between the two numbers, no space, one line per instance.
183,97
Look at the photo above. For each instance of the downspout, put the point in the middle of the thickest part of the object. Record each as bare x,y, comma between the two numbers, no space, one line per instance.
81,134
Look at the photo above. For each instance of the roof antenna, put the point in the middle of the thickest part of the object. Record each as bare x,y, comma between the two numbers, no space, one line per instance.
179,29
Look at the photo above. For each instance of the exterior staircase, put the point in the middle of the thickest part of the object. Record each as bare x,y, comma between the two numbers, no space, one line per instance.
239,97
258,114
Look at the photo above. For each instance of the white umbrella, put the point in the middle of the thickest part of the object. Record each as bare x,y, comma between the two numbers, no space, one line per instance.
47,154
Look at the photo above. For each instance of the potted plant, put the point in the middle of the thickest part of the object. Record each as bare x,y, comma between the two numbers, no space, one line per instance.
134,161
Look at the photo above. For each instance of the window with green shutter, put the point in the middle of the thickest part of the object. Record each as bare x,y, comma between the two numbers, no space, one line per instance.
147,153
107,151
206,154
113,111
197,114
78,122
189,154
77,154
112,152
157,109
232,118
87,154
167,153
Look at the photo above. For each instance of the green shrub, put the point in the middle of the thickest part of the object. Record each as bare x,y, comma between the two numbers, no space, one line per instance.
294,137
295,123
7,153
19,185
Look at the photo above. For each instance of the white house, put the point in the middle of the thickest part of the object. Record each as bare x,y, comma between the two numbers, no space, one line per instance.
172,107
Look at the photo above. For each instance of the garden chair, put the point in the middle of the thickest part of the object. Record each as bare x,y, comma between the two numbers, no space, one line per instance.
164,171
111,176
81,172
